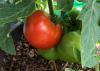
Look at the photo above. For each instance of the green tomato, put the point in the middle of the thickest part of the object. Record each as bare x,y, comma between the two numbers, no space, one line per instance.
67,50
69,47
50,53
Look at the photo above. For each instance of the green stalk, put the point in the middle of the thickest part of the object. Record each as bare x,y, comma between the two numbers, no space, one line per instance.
50,5
97,67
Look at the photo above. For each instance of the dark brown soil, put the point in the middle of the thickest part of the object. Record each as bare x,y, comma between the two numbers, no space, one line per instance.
27,59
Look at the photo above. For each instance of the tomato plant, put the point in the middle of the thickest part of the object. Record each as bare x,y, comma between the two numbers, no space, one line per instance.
40,31
44,31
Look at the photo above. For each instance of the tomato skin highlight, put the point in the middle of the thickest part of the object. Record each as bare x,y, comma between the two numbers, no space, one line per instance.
40,31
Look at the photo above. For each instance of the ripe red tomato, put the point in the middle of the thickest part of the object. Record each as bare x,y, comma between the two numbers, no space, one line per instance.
40,31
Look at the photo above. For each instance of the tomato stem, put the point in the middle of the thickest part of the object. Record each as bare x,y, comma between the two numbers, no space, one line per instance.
51,9
97,67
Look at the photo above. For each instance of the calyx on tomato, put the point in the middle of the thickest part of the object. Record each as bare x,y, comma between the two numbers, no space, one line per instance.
40,31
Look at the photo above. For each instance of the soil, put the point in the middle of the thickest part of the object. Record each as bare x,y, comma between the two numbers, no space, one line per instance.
27,58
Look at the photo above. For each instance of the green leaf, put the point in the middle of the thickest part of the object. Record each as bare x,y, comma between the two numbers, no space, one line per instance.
81,0
6,41
41,4
65,5
2,1
57,12
90,31
69,69
10,12
11,1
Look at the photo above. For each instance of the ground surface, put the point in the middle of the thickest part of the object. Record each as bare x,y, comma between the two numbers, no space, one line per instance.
27,59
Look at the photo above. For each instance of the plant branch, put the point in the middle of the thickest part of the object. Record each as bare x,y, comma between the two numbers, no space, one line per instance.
97,67
51,9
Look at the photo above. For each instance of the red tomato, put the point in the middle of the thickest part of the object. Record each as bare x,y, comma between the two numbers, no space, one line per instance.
40,31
